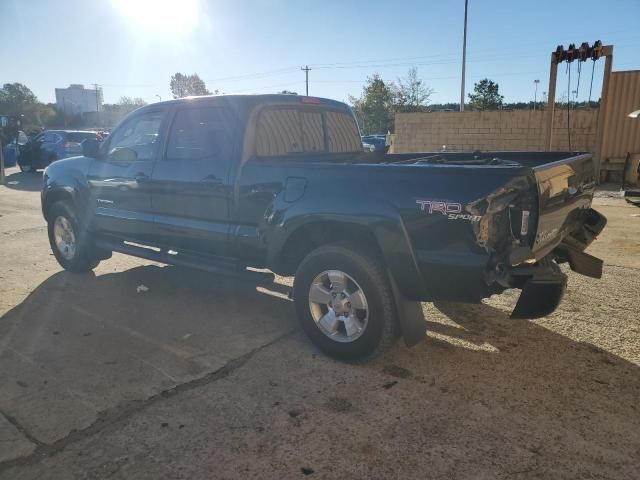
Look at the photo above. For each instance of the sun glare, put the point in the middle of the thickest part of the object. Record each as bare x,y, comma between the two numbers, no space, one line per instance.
169,16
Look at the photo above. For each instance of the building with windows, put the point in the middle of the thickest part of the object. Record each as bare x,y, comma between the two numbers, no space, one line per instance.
77,100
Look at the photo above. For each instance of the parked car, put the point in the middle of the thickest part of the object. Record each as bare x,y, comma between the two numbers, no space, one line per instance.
368,147
52,145
281,182
378,141
11,150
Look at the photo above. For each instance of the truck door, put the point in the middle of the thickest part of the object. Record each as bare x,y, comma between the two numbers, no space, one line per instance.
190,181
119,180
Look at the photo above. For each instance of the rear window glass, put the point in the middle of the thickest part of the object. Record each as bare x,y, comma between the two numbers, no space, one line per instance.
284,131
279,133
342,133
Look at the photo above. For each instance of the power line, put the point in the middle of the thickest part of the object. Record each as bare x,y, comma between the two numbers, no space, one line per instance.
282,85
448,59
268,73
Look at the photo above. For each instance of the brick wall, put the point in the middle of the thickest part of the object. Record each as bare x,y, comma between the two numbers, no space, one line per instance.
500,130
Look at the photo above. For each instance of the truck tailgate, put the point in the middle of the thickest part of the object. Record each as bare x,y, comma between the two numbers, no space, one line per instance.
565,190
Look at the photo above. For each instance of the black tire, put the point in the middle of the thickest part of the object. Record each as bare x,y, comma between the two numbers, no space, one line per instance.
27,168
85,258
381,330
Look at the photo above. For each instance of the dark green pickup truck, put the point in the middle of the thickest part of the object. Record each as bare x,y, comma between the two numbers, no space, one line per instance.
280,182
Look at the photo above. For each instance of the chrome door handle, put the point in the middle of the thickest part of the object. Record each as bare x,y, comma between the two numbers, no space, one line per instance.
212,179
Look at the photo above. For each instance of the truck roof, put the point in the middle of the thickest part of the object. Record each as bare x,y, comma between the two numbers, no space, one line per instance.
253,100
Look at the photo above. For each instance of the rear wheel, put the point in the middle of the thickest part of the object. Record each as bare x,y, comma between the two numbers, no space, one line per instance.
26,168
344,302
71,244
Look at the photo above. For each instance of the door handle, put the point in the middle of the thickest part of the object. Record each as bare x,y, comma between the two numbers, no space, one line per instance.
212,179
211,182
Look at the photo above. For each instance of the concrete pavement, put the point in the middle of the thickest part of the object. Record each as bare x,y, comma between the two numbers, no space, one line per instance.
202,377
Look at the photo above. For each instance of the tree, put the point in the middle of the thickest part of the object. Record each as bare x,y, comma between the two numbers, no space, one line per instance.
17,99
187,86
374,107
37,115
14,97
128,104
411,94
485,96
288,92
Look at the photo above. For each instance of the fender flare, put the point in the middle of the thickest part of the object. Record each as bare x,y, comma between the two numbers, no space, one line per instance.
383,221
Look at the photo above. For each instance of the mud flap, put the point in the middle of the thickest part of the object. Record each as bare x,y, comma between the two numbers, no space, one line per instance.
540,297
581,262
410,317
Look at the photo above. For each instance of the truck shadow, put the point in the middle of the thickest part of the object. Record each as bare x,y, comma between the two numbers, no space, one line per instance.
28,182
127,335
152,298
87,343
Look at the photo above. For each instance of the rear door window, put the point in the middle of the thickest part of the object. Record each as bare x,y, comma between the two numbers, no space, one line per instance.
199,133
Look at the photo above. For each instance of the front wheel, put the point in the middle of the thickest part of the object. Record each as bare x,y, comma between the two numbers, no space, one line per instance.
344,302
70,244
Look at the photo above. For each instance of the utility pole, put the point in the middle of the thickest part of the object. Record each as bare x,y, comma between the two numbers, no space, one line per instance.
535,95
306,71
97,105
464,55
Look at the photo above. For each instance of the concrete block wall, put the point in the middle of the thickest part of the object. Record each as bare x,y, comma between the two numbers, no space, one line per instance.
516,130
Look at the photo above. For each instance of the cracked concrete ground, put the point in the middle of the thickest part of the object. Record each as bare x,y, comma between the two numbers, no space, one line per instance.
202,377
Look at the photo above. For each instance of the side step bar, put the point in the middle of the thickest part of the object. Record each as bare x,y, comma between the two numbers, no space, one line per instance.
185,260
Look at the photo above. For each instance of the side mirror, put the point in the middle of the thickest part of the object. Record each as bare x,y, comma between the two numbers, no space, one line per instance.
91,148
123,154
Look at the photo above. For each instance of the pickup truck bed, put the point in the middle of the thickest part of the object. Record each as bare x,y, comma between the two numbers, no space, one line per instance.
280,182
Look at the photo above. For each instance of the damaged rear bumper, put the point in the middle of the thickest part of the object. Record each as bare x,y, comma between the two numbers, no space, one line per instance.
543,287
543,284
542,292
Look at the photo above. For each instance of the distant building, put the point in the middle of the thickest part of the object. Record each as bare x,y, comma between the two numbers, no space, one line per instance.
77,100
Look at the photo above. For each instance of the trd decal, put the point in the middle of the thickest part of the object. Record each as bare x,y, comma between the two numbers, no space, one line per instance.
451,210
435,206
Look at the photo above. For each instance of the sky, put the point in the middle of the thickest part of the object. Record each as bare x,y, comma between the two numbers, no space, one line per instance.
132,47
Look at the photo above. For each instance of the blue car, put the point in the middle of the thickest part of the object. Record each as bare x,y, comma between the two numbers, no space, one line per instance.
52,145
